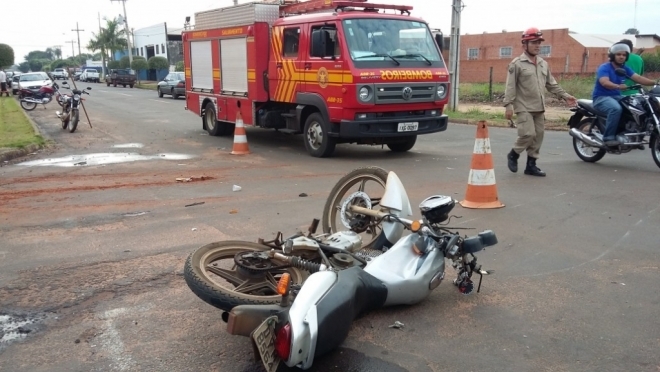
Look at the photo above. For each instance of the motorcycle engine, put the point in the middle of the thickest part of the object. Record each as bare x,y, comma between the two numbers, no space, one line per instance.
344,240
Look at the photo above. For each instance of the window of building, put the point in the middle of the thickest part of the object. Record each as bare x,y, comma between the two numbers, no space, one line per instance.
545,50
505,52
473,53
162,48
331,44
142,51
157,49
291,42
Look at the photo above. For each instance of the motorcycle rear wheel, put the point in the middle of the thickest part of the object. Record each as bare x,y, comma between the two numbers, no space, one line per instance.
73,121
224,285
28,106
585,152
369,180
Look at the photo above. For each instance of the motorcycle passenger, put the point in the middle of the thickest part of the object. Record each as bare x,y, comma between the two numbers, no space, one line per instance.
608,87
528,78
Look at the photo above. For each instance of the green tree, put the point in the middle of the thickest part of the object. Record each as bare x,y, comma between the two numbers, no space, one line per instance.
158,63
179,66
57,53
139,63
6,55
113,65
35,65
24,67
651,61
632,31
37,54
124,62
58,63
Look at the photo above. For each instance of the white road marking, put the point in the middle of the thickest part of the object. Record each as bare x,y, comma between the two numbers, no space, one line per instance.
157,100
124,94
561,194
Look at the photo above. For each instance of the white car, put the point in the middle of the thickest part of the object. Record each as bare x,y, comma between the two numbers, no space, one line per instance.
60,73
33,80
90,74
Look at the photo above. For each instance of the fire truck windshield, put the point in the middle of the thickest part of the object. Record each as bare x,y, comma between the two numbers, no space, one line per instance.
379,39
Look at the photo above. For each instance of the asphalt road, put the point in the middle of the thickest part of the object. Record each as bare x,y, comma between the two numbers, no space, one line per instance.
91,255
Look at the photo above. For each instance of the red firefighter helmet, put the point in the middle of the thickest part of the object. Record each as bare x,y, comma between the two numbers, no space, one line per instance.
532,34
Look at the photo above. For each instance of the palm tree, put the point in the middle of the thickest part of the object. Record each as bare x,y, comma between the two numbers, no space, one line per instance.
58,53
114,37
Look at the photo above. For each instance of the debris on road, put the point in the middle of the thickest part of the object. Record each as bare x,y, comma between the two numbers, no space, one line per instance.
191,179
194,229
233,211
194,204
397,324
236,188
303,195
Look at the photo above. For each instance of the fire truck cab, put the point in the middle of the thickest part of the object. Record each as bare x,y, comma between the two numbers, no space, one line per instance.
335,71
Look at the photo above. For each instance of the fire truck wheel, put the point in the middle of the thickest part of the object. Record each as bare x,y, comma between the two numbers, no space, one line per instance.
213,126
403,146
317,141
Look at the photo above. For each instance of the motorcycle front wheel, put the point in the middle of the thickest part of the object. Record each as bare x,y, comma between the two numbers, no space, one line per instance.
361,187
585,152
73,121
28,106
224,275
655,148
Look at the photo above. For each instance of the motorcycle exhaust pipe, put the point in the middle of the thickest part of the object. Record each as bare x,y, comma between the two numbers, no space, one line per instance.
584,138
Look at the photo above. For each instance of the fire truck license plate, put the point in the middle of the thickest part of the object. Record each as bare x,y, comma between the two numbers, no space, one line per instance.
264,337
408,127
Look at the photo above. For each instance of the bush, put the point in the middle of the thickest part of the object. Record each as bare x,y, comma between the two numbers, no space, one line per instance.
158,63
651,61
113,65
139,63
124,62
179,66
58,63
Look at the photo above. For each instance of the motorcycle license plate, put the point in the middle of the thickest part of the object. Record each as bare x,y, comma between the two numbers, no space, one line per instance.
408,127
264,338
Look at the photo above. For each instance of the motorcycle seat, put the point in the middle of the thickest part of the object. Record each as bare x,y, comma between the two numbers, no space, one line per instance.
589,106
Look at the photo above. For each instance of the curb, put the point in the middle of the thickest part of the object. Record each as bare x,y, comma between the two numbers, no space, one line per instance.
7,155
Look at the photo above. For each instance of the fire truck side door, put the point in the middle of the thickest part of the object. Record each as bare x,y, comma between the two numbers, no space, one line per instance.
285,77
324,65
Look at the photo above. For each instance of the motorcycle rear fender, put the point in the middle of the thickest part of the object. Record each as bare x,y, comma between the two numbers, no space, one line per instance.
242,320
303,321
395,199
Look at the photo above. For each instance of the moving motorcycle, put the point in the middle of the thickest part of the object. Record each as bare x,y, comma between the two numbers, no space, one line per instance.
640,119
30,98
315,318
70,114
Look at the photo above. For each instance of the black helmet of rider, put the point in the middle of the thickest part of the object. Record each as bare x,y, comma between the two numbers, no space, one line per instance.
618,48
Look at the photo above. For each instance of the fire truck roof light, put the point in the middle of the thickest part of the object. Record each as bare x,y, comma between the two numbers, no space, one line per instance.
316,5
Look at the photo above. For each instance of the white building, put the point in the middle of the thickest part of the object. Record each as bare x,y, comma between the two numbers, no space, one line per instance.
159,41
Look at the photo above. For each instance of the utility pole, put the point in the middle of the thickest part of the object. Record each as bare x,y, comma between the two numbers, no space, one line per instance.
128,33
102,51
455,52
73,51
77,30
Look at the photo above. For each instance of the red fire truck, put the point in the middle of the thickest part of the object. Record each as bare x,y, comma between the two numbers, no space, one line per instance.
335,71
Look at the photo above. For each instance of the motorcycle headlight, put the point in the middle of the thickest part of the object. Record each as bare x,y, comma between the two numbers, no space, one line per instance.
76,97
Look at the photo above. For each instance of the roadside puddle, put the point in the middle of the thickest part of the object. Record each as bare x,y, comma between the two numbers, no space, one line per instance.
102,159
14,327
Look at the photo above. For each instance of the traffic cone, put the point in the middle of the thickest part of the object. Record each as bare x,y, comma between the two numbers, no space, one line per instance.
240,137
481,189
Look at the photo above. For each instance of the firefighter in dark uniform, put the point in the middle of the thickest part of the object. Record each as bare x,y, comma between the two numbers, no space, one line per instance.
528,78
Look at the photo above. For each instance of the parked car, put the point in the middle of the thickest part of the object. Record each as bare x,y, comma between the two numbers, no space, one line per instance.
14,82
77,73
60,73
33,81
122,77
90,74
174,84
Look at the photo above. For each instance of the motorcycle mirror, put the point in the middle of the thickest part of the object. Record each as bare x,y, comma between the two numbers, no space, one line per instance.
621,72
89,88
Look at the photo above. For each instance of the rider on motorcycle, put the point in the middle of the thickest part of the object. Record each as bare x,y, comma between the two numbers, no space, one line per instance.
608,87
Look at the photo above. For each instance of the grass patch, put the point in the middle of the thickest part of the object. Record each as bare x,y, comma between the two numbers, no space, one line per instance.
149,86
578,87
476,114
15,129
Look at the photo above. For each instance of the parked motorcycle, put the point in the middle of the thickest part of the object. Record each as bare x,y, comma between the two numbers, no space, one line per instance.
640,120
70,114
314,319
30,98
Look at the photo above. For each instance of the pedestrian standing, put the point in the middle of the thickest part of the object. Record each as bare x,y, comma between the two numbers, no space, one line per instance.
3,83
528,78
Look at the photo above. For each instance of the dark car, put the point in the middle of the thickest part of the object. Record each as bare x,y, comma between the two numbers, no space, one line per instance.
174,84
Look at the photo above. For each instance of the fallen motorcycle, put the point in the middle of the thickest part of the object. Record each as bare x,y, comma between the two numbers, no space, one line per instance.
70,114
640,120
30,98
229,273
315,318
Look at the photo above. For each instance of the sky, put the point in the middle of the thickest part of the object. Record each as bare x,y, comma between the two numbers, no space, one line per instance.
43,27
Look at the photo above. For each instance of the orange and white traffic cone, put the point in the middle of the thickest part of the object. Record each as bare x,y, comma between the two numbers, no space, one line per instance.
240,137
481,189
